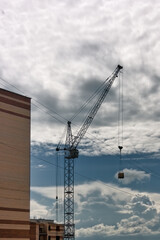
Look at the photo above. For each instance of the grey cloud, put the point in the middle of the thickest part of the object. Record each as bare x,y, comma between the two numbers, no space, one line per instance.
128,216
60,60
156,84
141,220
142,206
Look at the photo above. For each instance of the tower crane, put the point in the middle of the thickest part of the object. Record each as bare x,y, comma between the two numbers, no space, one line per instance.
71,152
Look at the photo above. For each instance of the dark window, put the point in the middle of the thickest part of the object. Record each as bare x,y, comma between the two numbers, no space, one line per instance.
57,228
41,238
57,237
49,238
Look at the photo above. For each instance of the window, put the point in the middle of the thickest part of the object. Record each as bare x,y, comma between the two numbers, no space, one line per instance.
57,237
57,228
41,237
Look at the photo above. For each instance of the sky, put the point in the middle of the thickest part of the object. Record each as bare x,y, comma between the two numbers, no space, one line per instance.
58,53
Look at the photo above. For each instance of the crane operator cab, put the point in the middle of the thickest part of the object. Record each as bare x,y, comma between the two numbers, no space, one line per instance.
71,153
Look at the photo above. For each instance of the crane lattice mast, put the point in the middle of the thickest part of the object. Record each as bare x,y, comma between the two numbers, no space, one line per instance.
71,152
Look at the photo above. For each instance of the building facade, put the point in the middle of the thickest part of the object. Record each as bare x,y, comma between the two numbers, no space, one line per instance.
46,230
14,166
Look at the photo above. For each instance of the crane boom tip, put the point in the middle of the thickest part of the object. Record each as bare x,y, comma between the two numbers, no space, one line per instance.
119,66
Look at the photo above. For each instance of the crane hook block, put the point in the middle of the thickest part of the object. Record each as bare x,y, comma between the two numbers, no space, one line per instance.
120,148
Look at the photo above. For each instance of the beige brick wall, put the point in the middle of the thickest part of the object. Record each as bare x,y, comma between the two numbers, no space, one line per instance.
14,166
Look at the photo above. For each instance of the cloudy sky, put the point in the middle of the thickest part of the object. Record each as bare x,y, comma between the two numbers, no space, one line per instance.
58,52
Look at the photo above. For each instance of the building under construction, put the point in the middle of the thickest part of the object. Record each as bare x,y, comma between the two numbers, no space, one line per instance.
15,172
42,229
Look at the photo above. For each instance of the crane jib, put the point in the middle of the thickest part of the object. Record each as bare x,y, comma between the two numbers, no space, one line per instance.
95,108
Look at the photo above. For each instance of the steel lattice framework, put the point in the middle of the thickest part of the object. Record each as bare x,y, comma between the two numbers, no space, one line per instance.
71,152
69,228
69,199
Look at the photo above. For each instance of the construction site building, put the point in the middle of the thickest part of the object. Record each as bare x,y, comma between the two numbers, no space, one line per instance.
42,229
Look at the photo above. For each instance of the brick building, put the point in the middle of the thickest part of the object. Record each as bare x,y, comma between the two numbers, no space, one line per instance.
14,166
46,230
15,220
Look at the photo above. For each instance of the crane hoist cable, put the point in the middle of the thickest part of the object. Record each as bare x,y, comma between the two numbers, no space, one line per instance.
40,105
120,124
57,183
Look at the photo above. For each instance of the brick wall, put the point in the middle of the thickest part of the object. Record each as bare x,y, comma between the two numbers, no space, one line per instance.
14,166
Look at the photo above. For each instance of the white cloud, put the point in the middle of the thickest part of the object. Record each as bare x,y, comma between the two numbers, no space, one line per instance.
142,220
99,229
133,175
133,226
41,166
142,205
48,192
130,212
38,210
